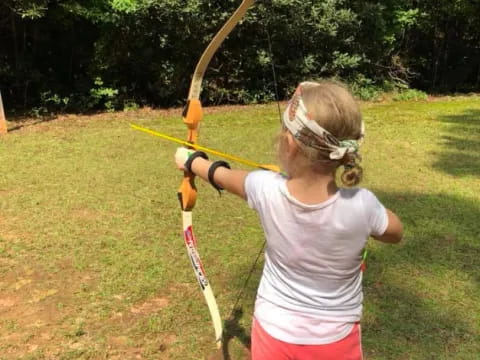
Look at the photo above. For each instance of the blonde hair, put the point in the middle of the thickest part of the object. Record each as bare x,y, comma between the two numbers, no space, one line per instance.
333,107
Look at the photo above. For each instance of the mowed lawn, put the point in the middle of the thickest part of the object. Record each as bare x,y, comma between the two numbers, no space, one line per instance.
93,265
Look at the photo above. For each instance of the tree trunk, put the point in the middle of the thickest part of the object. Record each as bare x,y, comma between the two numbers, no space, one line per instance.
3,121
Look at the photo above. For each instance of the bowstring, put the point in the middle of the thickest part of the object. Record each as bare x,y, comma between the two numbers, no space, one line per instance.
274,73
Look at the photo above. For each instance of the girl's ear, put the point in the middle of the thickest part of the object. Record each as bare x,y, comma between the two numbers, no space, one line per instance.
288,150
292,146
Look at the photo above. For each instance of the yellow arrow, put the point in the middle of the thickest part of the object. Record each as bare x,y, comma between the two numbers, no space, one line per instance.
240,160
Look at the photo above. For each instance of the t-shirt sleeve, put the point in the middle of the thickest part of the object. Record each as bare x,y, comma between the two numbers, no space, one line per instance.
256,184
376,214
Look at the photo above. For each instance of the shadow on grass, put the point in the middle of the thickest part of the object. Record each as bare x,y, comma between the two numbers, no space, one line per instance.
461,153
22,123
441,230
411,321
406,327
233,328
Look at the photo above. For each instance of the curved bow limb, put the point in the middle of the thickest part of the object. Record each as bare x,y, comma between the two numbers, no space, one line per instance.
187,193
196,84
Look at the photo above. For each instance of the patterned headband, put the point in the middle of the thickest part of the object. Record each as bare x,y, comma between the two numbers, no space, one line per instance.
297,120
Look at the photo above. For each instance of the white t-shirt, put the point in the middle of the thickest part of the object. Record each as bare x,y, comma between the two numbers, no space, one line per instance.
311,287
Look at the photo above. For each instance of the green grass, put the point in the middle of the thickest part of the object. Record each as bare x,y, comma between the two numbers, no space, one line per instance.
93,266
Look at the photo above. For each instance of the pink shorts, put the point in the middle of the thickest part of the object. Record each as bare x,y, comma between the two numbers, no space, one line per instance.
265,347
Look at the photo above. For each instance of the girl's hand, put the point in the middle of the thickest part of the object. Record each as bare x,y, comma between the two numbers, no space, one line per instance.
181,156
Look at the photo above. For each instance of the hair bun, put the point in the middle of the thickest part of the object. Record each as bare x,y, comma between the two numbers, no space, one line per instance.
352,175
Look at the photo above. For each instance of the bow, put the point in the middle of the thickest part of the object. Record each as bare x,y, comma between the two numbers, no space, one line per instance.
187,193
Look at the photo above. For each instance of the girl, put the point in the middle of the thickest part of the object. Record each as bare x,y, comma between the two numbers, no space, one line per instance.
309,301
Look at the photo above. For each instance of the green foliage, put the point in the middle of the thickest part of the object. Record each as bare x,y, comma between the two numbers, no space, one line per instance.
55,100
127,6
102,96
50,103
407,18
29,9
365,89
146,50
130,105
410,94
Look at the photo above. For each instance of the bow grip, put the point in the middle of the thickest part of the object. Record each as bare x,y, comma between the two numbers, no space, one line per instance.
192,114
187,193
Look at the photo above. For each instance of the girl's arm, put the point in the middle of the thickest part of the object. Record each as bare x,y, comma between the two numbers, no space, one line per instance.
394,232
231,180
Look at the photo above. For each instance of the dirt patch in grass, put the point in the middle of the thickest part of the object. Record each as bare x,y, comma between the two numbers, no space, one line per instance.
126,344
34,306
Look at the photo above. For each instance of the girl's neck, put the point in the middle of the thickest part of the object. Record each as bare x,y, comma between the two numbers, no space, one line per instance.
312,188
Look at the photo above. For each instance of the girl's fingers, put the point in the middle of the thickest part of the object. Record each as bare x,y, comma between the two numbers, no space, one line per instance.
181,156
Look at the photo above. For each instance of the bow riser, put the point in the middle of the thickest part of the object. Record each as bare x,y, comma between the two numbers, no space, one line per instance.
187,193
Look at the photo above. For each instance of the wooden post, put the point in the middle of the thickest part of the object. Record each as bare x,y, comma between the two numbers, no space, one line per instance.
3,121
